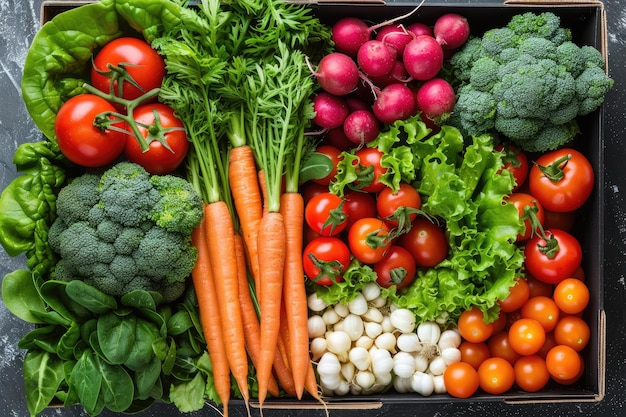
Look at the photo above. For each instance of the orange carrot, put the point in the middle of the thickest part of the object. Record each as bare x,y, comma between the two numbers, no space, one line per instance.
221,243
203,281
311,383
271,263
246,193
263,187
294,293
283,372
251,326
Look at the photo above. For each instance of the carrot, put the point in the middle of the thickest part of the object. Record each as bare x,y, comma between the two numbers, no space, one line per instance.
294,293
271,263
246,193
263,187
311,383
252,332
203,281
221,243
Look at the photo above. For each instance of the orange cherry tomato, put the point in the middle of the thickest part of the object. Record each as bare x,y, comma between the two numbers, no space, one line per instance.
526,336
461,379
519,293
496,375
572,331
543,309
474,353
571,295
563,362
531,373
500,347
472,326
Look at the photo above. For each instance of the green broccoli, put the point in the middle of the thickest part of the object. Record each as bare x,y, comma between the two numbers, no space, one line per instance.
126,230
528,82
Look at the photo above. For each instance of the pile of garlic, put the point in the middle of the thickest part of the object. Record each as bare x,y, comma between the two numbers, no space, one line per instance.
364,346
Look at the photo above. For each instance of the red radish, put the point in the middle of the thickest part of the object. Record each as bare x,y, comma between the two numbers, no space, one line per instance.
361,127
419,28
337,74
423,57
330,110
355,103
435,99
337,138
375,58
398,74
451,30
394,102
394,35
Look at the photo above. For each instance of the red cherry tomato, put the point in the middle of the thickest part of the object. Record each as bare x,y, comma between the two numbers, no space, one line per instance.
396,268
426,241
358,205
368,240
325,259
553,260
79,139
519,293
160,127
325,215
516,161
370,169
399,208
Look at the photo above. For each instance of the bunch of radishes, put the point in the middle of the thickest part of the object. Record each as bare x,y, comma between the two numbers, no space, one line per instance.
383,73
365,346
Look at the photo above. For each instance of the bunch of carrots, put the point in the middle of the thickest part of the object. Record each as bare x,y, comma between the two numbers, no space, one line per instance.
243,94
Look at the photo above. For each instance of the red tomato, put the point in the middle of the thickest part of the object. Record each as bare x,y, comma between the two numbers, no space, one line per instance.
531,373
563,362
426,241
561,180
79,139
311,189
396,268
370,170
474,353
358,205
572,331
571,295
538,287
325,215
368,239
501,322
530,212
519,293
496,376
160,127
553,260
472,326
399,208
500,347
526,336
325,259
516,161
334,155
142,63
543,309
461,380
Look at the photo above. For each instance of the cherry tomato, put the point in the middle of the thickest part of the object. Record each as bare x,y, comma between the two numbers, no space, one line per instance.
571,295
538,287
399,208
325,259
472,326
334,155
474,353
501,322
370,170
142,63
161,129
358,205
553,260
570,381
572,331
426,241
500,347
547,345
530,212
368,239
496,375
78,135
561,180
325,215
519,293
526,336
563,362
531,373
396,268
544,310
461,380
311,189
516,161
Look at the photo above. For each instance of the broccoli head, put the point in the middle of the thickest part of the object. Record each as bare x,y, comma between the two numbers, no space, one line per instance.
125,230
527,81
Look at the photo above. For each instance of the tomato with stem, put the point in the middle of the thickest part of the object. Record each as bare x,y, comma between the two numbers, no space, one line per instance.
426,241
553,257
515,161
397,268
325,215
399,207
530,212
324,260
369,239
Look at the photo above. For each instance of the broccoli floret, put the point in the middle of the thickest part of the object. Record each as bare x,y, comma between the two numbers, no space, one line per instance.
180,208
108,230
81,246
78,197
128,240
526,78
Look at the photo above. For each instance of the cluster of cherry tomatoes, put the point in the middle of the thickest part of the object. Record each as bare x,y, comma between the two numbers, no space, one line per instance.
540,332
119,113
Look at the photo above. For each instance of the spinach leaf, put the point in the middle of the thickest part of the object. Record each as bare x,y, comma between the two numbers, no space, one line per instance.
116,336
146,334
89,297
43,373
47,334
86,380
67,342
21,297
146,379
55,295
117,386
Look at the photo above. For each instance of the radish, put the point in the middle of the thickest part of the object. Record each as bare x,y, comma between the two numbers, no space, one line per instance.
361,126
375,58
419,28
337,74
337,138
394,102
451,30
423,57
398,74
356,103
330,110
395,36
435,99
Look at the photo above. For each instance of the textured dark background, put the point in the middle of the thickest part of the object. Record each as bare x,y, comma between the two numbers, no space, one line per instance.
19,21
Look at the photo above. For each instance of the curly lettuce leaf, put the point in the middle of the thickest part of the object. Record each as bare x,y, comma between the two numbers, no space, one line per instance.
356,277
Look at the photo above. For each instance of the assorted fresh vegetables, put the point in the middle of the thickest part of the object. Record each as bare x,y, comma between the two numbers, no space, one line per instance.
280,207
